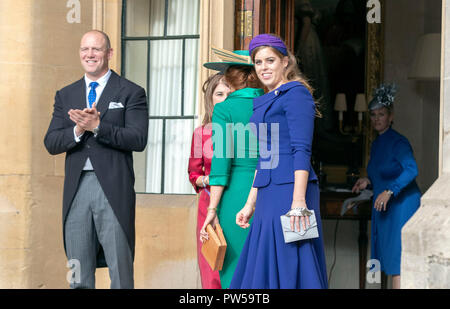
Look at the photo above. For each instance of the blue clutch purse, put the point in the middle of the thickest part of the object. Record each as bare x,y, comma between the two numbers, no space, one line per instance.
291,236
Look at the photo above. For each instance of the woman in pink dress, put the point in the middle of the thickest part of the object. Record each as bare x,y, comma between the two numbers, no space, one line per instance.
215,91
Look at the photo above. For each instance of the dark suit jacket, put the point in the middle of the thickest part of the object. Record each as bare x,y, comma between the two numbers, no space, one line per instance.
122,130
292,108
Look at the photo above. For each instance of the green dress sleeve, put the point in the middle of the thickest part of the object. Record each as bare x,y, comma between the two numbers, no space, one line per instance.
222,139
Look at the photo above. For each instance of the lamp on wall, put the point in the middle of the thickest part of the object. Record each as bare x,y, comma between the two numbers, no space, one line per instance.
360,107
427,58
355,132
340,105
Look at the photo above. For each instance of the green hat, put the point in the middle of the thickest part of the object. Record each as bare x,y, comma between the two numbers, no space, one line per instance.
237,57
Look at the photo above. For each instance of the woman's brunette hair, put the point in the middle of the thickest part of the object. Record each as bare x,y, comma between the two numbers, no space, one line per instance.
208,88
242,76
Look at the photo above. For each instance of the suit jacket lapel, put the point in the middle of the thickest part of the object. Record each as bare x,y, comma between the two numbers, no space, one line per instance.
109,93
79,95
262,104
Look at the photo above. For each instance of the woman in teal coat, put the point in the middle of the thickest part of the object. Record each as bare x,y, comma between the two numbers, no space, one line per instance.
235,156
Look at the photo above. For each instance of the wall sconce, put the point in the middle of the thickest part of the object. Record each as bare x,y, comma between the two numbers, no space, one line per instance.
360,107
356,133
340,105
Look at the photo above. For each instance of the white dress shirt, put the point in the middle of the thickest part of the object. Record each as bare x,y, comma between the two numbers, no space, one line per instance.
102,81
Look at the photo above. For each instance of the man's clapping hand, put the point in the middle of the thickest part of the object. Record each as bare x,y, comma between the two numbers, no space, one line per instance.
86,120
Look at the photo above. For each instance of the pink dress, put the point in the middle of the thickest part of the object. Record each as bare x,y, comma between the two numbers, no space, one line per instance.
200,165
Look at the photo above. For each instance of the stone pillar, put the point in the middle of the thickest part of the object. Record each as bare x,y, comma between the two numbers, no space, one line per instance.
107,17
426,236
216,29
39,54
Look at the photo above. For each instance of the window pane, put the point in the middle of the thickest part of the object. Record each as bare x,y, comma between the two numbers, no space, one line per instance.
191,77
154,156
136,62
157,15
140,174
157,66
145,17
165,77
137,17
183,17
178,148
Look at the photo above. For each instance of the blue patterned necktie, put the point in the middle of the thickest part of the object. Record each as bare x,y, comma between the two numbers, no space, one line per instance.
92,94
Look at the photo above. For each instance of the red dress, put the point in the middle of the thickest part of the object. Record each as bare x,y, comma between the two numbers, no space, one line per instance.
200,165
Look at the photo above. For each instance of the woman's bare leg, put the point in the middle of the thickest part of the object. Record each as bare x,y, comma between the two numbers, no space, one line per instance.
396,282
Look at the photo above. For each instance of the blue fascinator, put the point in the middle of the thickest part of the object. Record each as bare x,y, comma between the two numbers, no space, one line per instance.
383,96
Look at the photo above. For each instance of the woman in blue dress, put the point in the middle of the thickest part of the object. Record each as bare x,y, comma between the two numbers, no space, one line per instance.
392,171
284,179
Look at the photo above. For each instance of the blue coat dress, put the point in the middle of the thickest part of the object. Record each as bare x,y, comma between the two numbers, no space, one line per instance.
392,167
266,261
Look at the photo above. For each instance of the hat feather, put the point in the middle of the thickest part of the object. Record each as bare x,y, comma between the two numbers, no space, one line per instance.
229,56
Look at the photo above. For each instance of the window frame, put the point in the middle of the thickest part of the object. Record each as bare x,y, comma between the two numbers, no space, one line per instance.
124,39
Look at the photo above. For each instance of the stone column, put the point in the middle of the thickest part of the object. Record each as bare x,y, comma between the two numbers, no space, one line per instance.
216,29
38,55
426,236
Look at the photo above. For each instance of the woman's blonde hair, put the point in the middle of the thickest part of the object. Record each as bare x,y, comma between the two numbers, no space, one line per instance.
292,72
208,89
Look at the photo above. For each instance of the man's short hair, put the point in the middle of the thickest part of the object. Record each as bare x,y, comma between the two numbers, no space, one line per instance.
105,36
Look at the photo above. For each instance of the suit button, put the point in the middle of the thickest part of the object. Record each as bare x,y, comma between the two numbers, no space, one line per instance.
88,146
276,92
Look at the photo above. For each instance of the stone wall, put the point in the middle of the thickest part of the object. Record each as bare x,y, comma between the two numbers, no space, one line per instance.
37,58
416,112
425,238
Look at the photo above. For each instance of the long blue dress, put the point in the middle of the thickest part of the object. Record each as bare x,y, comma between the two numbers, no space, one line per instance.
392,167
266,261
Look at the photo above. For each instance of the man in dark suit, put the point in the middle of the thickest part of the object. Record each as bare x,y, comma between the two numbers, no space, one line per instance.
98,122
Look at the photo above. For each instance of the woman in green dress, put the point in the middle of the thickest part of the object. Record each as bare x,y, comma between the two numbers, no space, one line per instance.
235,156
